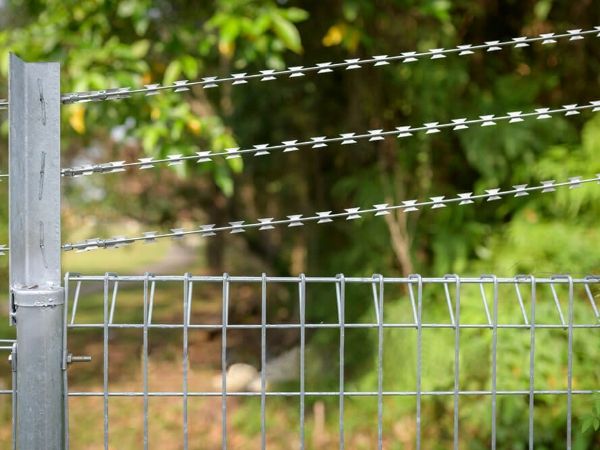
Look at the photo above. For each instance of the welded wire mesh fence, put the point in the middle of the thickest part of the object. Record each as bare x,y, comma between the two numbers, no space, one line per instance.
417,334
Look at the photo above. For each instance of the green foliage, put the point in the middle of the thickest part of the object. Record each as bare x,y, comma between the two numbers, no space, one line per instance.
592,419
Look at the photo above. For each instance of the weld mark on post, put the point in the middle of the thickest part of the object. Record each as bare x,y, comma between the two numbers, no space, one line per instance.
43,244
42,101
42,174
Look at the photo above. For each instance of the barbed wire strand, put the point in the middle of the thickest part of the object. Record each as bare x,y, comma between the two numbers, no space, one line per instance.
326,67
319,142
354,213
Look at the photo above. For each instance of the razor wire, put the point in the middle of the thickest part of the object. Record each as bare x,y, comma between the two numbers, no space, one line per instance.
319,142
296,220
326,67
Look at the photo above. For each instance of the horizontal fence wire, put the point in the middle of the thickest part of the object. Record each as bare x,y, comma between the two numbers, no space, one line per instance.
323,217
527,304
319,142
327,67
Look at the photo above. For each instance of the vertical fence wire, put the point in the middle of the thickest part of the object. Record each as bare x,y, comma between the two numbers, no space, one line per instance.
532,364
263,361
378,293
145,360
456,355
105,358
224,323
419,362
185,362
570,365
65,362
302,305
494,359
341,307
14,396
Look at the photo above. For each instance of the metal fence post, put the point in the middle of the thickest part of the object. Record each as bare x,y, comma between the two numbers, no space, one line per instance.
37,298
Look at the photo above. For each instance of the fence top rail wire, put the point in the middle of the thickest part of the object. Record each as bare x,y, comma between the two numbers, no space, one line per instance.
331,393
319,142
296,220
559,279
327,67
478,298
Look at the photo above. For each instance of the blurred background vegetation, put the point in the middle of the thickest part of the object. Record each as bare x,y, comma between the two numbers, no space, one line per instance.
103,44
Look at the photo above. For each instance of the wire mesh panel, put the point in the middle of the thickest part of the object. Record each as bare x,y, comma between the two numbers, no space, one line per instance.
330,362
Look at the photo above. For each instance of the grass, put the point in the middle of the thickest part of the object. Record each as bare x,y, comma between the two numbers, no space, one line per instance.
123,260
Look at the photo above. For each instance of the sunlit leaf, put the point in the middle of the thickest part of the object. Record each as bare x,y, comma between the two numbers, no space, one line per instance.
172,73
139,49
77,118
287,32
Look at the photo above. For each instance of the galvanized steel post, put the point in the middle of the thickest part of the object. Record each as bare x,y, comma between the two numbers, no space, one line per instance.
37,298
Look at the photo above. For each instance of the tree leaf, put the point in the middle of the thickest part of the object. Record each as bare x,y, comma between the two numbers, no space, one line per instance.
223,180
172,73
77,118
287,32
140,48
294,14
